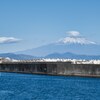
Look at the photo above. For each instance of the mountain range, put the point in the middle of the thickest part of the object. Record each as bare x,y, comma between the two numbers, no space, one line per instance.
72,47
66,55
17,56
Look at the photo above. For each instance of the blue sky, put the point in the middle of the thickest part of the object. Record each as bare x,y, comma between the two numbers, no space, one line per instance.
27,24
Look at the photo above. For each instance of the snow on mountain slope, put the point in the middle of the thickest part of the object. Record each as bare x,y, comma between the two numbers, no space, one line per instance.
76,40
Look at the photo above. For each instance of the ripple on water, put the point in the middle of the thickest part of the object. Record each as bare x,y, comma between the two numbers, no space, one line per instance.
40,87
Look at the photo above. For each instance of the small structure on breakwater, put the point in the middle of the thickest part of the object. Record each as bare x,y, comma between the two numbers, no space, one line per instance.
65,67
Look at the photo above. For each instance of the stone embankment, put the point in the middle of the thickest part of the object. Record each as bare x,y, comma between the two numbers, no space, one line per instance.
64,67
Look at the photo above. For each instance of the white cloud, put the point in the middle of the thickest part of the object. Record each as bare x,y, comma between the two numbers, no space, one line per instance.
4,40
73,33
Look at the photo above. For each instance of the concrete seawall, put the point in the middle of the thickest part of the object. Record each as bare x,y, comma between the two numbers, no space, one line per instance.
52,68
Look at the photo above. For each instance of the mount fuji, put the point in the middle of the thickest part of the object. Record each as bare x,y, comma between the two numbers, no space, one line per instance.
73,44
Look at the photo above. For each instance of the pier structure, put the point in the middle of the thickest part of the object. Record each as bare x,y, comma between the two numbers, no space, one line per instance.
51,67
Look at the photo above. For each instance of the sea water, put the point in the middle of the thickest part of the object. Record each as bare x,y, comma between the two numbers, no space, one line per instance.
15,86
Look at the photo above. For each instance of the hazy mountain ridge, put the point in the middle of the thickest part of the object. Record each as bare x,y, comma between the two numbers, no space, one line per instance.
17,56
69,55
66,55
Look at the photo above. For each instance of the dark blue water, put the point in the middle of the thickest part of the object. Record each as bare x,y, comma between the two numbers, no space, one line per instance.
40,87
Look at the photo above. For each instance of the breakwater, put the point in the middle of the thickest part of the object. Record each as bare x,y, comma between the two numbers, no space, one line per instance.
52,68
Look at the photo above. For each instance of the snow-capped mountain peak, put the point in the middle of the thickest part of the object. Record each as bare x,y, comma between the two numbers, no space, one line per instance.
75,40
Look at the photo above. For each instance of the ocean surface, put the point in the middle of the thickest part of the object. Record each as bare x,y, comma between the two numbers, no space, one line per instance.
15,86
